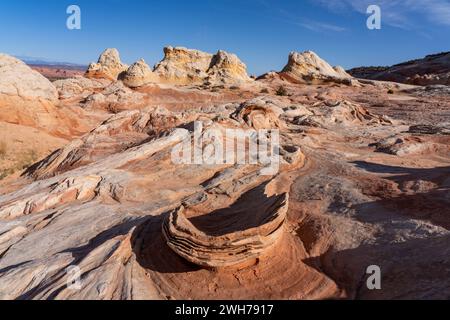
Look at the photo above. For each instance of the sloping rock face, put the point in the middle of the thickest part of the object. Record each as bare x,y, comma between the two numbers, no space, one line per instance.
17,79
341,113
431,70
29,99
130,127
309,67
79,87
108,66
139,74
187,66
115,97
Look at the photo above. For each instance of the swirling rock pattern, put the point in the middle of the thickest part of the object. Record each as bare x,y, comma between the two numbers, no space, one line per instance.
231,248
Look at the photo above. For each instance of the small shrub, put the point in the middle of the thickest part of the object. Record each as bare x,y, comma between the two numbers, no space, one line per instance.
3,150
282,91
28,159
390,91
265,90
234,88
113,108
6,173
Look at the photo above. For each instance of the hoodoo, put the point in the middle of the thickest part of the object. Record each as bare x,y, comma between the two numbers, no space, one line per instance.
108,66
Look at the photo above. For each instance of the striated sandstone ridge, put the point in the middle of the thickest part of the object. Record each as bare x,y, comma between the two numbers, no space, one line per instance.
108,66
432,70
309,67
187,66
138,74
228,243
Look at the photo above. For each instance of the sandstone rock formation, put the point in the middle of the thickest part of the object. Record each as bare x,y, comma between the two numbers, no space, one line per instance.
115,97
431,70
259,113
187,66
108,66
183,66
17,79
138,74
222,244
79,87
309,67
227,68
443,128
115,205
340,113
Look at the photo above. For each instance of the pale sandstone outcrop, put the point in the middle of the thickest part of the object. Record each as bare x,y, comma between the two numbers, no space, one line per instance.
29,99
17,79
187,66
308,66
134,126
116,96
227,68
183,66
138,74
108,66
341,113
79,87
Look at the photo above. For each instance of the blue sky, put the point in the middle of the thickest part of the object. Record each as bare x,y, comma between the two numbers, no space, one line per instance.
260,32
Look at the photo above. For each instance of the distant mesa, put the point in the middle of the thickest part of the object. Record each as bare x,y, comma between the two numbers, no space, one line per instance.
431,70
108,66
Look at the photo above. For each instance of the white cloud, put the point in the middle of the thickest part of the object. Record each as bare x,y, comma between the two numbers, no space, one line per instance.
320,26
398,13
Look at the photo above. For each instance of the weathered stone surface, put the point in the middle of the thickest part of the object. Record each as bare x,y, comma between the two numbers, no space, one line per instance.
432,70
183,66
100,202
187,66
259,113
230,243
79,87
139,74
227,68
115,97
340,113
443,128
108,66
17,79
309,67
